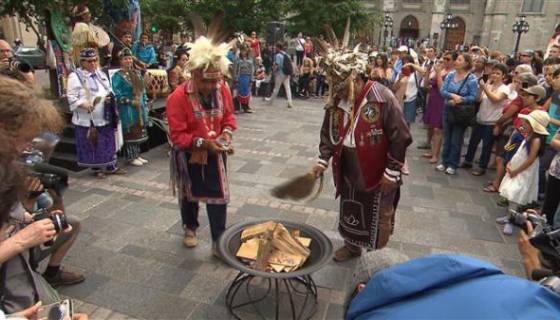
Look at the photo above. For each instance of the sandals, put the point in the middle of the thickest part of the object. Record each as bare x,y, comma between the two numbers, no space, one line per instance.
427,155
490,188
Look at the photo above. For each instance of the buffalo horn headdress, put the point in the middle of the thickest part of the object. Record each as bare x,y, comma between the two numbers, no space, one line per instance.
340,63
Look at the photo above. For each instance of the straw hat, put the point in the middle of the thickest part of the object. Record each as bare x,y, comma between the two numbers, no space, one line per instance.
538,119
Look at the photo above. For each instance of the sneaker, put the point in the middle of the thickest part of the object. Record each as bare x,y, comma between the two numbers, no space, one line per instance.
440,167
502,220
267,99
508,229
65,278
249,110
290,106
144,161
117,171
190,240
136,163
450,171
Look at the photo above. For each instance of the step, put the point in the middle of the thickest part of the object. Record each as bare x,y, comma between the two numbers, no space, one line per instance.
65,160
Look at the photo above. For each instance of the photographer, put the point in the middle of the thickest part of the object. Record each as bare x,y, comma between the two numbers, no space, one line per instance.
10,67
22,117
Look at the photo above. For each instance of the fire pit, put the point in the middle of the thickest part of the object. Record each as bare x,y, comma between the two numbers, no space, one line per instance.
298,285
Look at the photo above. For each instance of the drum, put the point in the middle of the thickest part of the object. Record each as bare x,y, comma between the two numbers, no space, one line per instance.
156,83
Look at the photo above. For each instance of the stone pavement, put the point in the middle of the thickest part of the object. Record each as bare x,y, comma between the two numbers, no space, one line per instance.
131,249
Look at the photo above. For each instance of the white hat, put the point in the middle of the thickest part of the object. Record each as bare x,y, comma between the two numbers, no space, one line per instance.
539,121
402,49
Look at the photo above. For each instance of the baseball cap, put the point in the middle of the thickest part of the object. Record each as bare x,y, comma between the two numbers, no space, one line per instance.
527,80
538,91
403,49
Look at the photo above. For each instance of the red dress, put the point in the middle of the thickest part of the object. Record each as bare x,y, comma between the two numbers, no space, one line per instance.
256,46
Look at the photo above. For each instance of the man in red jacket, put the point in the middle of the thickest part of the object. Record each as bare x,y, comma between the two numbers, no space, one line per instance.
201,125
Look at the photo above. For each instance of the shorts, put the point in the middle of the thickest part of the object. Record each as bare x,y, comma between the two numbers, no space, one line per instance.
502,140
409,110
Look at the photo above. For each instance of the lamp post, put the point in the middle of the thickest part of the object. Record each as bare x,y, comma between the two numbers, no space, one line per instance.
520,26
387,24
445,25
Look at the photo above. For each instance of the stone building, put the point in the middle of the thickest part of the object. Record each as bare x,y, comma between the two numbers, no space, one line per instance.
484,22
11,29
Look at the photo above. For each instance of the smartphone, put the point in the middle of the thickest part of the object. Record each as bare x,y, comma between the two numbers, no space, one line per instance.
62,310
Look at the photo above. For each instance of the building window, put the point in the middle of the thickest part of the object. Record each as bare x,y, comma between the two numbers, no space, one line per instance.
532,6
459,2
412,1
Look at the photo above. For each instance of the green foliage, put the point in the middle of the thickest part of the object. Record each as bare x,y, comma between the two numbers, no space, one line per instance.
241,15
310,16
167,15
33,12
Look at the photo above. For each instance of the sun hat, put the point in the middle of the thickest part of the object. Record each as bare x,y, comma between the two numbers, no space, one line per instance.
539,121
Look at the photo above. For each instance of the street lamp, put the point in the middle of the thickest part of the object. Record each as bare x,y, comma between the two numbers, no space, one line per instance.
387,24
445,25
520,26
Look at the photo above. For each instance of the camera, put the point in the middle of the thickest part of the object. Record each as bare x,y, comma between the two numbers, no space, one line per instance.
520,219
35,157
57,217
14,68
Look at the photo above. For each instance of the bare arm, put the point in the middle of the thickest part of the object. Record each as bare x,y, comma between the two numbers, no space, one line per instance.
496,96
555,143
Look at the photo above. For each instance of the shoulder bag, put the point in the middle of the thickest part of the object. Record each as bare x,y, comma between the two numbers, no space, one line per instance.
463,114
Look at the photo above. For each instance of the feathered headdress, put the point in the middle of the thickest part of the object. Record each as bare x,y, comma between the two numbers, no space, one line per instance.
340,64
209,48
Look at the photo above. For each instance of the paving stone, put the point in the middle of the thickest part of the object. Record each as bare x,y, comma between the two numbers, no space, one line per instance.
127,268
212,289
84,289
421,191
169,279
332,276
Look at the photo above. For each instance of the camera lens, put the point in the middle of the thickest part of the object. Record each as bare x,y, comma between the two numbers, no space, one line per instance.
59,221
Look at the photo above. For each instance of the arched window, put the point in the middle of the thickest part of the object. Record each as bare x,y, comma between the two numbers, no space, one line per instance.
409,28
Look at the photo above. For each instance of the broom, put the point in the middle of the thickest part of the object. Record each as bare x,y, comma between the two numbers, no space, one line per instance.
299,188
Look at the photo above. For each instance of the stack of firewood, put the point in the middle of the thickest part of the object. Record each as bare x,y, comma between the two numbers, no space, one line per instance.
271,247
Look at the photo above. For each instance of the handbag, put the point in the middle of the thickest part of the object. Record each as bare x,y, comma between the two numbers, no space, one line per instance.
463,114
420,96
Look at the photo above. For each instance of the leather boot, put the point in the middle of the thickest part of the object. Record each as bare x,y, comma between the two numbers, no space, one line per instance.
190,240
347,252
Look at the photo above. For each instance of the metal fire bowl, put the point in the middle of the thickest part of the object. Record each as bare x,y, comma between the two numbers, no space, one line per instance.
321,249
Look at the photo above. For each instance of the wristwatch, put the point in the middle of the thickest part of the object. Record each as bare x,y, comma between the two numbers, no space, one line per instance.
198,142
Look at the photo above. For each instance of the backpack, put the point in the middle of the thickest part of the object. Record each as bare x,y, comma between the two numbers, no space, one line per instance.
287,66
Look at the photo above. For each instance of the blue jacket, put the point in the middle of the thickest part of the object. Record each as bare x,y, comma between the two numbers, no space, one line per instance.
470,91
146,54
452,287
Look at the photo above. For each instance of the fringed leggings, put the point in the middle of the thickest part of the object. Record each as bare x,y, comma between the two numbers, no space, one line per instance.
131,151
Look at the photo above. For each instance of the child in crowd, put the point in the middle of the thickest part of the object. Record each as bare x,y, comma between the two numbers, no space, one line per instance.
260,76
520,185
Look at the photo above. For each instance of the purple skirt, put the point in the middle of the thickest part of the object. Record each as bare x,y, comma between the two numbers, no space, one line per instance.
434,107
103,154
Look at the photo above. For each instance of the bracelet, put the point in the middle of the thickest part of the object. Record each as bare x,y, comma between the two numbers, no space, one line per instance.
323,163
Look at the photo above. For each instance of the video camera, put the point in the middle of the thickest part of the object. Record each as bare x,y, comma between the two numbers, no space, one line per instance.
520,219
15,68
35,157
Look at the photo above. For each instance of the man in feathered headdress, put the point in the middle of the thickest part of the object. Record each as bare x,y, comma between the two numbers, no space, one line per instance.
201,125
365,134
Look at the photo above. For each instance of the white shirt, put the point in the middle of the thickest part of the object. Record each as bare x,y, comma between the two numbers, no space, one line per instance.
489,111
299,44
350,140
411,87
98,85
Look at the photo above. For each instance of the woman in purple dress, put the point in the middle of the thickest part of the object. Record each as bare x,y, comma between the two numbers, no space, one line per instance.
434,107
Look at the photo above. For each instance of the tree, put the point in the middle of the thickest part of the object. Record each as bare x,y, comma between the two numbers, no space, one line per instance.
241,15
310,17
166,15
33,13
